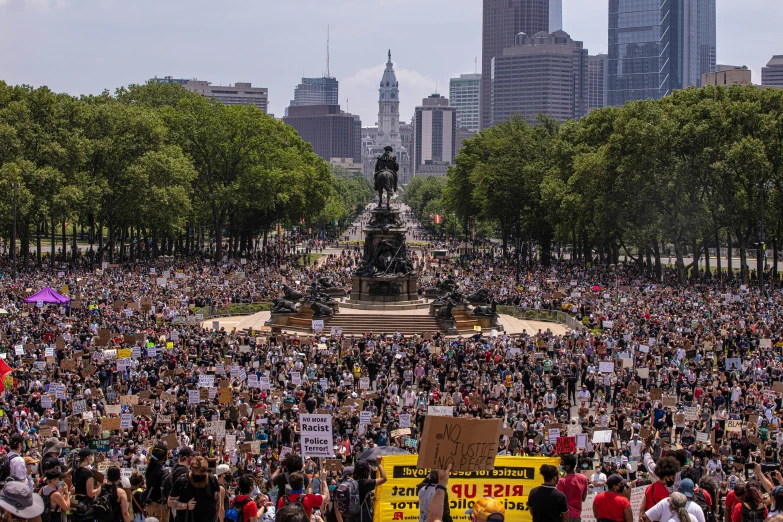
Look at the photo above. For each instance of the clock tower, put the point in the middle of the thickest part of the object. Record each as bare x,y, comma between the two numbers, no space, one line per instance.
389,109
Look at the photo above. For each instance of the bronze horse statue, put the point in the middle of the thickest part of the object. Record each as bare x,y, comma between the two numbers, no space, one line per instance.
384,181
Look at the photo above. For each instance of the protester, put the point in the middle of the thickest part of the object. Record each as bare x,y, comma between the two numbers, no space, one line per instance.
661,512
198,492
613,505
19,503
546,502
574,486
426,490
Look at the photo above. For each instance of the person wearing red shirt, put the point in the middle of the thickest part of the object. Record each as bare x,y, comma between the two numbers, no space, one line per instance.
666,470
574,486
753,499
243,500
309,501
613,504
734,497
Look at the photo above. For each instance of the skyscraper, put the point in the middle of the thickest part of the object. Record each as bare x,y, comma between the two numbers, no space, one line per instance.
555,15
241,93
316,91
434,136
502,21
657,46
597,81
331,132
542,74
465,96
772,74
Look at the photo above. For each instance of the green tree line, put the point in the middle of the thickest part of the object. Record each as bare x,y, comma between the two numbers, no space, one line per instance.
700,169
161,165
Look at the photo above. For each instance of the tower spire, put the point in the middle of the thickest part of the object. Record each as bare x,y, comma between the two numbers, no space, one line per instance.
327,52
389,54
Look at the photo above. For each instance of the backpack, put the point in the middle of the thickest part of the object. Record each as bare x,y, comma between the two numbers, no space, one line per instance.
300,500
166,483
700,500
752,515
346,498
46,515
105,504
237,511
5,466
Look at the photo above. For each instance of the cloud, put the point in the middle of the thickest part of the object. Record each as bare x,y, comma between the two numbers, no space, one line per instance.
361,89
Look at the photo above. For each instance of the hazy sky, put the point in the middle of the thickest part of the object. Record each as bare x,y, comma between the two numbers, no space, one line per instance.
85,46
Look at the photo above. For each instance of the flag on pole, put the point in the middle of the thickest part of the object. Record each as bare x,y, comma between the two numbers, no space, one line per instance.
4,370
438,219
302,221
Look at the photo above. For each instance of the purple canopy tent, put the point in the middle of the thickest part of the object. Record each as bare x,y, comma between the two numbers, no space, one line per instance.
48,296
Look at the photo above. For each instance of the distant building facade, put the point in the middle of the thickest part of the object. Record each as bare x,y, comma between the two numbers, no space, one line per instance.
317,91
555,15
168,80
331,132
657,46
727,75
597,81
465,96
772,74
542,74
238,94
434,136
502,20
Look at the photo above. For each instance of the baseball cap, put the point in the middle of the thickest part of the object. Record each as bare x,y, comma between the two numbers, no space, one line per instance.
348,470
221,469
488,508
614,480
185,452
686,487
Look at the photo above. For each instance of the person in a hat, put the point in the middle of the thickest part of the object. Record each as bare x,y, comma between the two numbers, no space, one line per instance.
84,483
613,505
154,477
57,492
51,452
661,512
19,502
486,509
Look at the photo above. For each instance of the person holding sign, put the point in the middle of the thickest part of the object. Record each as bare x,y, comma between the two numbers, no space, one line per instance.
486,509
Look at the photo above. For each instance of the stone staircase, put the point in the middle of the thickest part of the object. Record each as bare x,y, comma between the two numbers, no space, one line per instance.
357,324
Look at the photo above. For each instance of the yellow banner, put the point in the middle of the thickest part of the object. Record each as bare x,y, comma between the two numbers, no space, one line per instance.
124,353
510,481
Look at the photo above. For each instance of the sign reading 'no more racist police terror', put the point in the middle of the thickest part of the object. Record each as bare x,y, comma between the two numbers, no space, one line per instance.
316,436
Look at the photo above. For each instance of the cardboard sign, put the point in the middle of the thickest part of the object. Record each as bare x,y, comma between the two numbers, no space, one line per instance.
466,444
400,432
565,445
440,411
334,465
733,425
110,423
669,400
656,394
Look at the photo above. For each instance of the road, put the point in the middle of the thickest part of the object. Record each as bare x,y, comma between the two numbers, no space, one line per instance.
355,232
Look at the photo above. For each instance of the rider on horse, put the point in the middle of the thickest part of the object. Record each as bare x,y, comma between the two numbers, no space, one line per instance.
387,161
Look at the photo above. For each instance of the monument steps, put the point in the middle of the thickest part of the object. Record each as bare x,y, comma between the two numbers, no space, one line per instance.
404,324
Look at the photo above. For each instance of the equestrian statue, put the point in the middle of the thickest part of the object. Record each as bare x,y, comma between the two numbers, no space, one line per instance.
386,169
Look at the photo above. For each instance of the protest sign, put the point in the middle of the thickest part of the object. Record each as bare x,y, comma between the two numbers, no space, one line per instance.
365,417
510,482
441,411
466,444
733,425
602,436
405,420
565,445
316,435
606,367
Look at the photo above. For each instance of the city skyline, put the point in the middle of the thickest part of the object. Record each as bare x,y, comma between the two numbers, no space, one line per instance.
88,46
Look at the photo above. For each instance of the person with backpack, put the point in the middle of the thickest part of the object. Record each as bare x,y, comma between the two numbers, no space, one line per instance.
291,463
751,508
197,496
156,478
13,464
56,497
666,470
354,498
84,485
309,501
112,505
244,508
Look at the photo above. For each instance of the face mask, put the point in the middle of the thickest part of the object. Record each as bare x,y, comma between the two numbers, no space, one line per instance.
332,487
60,483
199,478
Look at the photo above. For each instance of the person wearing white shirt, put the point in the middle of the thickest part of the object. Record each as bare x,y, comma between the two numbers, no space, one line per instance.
598,481
660,512
635,446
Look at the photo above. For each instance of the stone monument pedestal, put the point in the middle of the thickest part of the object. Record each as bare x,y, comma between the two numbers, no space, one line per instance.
384,289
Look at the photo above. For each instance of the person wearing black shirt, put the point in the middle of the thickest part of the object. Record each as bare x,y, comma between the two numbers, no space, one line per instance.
546,502
199,493
51,452
153,496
